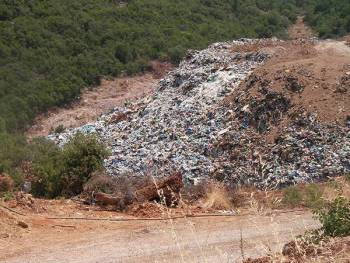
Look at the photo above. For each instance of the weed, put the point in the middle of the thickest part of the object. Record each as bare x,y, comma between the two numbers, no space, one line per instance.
347,177
313,196
59,129
292,196
7,196
335,217
6,183
217,197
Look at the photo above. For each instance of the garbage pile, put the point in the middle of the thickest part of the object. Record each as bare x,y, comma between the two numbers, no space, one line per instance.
186,126
305,151
175,127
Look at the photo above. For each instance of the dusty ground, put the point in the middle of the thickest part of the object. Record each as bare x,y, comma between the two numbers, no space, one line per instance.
93,103
209,239
265,221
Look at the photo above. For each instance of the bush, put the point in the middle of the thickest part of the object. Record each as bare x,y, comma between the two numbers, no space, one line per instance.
50,50
65,171
82,156
99,182
6,183
7,196
313,196
59,129
292,196
335,217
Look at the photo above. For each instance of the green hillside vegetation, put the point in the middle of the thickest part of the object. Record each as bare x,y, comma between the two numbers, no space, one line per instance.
50,50
329,18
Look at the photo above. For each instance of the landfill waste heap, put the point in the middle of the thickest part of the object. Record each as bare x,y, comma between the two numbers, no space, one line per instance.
187,126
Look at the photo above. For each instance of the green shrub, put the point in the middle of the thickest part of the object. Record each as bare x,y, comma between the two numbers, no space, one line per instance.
7,196
47,168
64,171
81,156
347,177
292,196
335,217
50,50
59,129
313,196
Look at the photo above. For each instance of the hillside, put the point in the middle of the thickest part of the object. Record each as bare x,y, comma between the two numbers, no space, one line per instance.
238,150
50,50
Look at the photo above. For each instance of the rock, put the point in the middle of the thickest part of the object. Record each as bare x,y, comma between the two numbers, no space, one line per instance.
22,224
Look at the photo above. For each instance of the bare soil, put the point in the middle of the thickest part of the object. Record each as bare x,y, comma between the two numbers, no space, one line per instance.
300,30
259,224
314,76
209,239
99,100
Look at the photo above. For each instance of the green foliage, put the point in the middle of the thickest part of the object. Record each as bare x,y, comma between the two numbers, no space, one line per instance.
335,217
82,156
347,177
329,18
65,171
50,50
7,196
313,196
292,196
59,129
47,168
13,151
56,171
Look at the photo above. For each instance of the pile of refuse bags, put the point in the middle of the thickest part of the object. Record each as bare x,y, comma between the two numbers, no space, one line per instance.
186,126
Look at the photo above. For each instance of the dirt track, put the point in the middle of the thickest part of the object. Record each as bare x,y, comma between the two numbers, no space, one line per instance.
183,240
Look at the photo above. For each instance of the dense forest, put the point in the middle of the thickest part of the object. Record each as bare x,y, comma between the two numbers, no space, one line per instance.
52,49
329,18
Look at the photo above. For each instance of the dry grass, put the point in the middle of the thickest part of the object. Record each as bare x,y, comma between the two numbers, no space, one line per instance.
217,197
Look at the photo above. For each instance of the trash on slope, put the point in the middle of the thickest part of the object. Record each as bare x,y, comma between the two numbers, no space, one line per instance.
186,126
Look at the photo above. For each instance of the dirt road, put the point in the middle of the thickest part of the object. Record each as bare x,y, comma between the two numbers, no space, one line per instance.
184,240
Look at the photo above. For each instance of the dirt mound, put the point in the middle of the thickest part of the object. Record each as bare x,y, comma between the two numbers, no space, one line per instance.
147,210
317,83
288,121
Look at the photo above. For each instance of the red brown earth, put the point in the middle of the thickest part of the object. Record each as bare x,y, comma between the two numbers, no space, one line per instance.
99,100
